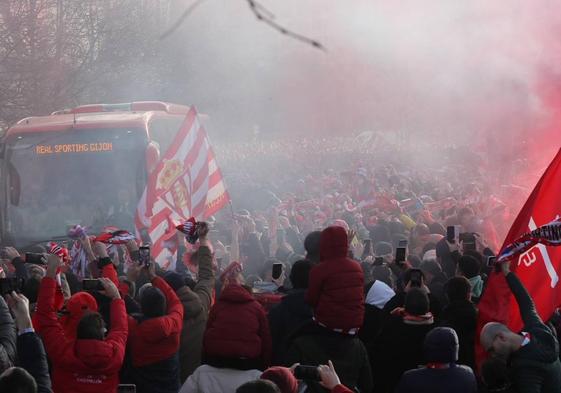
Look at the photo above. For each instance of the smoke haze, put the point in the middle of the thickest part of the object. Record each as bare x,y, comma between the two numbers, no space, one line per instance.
455,71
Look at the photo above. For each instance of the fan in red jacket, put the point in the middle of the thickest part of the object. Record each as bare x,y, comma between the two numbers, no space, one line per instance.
336,287
237,334
154,339
89,363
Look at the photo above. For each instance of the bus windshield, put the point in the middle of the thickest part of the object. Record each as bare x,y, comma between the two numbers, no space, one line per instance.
89,177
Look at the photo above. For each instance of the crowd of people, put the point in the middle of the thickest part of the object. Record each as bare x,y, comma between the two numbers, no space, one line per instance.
336,271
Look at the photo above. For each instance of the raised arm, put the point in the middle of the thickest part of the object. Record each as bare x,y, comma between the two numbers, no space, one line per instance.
31,352
50,329
525,303
205,285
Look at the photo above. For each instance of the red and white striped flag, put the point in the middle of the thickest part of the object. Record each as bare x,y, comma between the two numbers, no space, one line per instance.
185,183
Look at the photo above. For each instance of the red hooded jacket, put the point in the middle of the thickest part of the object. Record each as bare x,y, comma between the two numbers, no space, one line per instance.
336,287
237,327
156,339
81,365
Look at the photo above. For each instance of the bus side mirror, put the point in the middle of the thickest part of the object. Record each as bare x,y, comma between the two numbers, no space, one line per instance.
15,185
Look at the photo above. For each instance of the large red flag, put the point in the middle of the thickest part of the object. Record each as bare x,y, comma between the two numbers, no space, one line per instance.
538,268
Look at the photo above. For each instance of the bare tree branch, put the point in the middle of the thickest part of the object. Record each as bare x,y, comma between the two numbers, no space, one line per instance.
265,16
181,19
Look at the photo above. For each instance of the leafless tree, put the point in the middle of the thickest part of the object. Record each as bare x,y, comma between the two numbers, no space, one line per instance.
56,53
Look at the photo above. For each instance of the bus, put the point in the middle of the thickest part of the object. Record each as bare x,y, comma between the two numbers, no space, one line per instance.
84,166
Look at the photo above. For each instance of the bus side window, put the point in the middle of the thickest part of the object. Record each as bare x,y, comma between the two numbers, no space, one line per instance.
15,185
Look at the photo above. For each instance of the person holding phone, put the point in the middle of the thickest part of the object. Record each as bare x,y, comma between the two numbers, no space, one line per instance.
154,338
196,303
90,362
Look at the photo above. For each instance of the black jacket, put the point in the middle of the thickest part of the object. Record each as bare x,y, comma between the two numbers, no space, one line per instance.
314,345
456,379
7,337
535,367
154,378
33,358
462,317
398,348
285,319
440,347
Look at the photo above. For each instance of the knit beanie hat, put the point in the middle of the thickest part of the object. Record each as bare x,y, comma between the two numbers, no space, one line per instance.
283,378
174,280
383,248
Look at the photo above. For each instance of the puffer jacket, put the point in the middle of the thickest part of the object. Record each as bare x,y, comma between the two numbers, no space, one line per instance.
154,347
196,304
336,287
237,331
7,337
81,365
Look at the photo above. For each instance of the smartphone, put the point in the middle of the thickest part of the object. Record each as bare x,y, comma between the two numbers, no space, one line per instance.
451,234
36,259
400,255
9,285
126,388
367,243
277,270
468,240
307,373
144,255
416,278
491,260
378,261
91,285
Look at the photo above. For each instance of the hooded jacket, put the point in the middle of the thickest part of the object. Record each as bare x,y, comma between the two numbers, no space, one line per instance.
81,365
440,347
336,287
196,304
76,307
285,319
154,344
237,331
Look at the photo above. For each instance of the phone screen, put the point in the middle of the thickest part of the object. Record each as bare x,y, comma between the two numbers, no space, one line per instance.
144,255
277,270
491,261
9,285
91,285
451,233
400,254
416,277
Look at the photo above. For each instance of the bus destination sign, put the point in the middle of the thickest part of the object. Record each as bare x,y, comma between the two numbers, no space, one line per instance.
74,148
